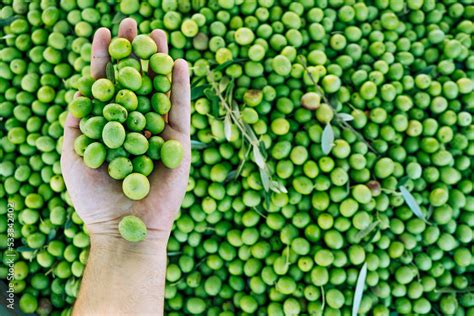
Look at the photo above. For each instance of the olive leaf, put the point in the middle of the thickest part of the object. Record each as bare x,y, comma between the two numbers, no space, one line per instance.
403,181
231,176
7,36
267,200
257,155
223,84
68,223
228,63
24,249
278,187
428,70
412,204
118,18
222,91
359,289
52,234
228,127
195,144
198,91
110,72
323,297
345,117
327,139
265,179
8,21
450,290
366,231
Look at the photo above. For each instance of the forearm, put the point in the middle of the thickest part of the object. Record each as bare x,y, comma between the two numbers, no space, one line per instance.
123,278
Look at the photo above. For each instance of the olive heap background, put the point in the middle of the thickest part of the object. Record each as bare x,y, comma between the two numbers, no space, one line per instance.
378,177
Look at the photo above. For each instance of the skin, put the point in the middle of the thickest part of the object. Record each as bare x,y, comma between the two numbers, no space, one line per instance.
122,278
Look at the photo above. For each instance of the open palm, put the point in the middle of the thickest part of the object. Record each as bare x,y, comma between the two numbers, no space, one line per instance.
97,197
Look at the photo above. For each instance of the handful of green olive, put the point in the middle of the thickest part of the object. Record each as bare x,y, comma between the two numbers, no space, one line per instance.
123,115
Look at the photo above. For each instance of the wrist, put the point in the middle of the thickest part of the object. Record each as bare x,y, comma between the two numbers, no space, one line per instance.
105,238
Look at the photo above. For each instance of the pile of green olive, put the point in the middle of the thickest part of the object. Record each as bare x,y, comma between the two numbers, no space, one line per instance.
361,110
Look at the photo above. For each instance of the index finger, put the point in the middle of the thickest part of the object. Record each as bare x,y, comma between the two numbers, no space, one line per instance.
100,55
179,115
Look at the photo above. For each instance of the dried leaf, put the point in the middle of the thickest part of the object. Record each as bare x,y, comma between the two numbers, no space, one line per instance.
195,144
327,139
359,289
412,204
257,155
110,72
345,117
366,231
228,127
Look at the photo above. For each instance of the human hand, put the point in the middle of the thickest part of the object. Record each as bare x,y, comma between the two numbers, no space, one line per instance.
97,198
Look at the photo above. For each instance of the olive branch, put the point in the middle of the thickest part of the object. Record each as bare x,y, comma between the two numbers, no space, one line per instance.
341,119
232,116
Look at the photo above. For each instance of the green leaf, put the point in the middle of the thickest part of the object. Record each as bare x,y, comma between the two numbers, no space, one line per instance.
198,91
228,63
215,106
224,84
265,179
52,234
209,92
110,72
327,140
359,291
7,36
403,181
267,200
428,70
345,117
412,204
118,18
198,81
366,231
228,127
24,249
231,176
277,187
323,297
195,144
68,223
258,157
8,21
